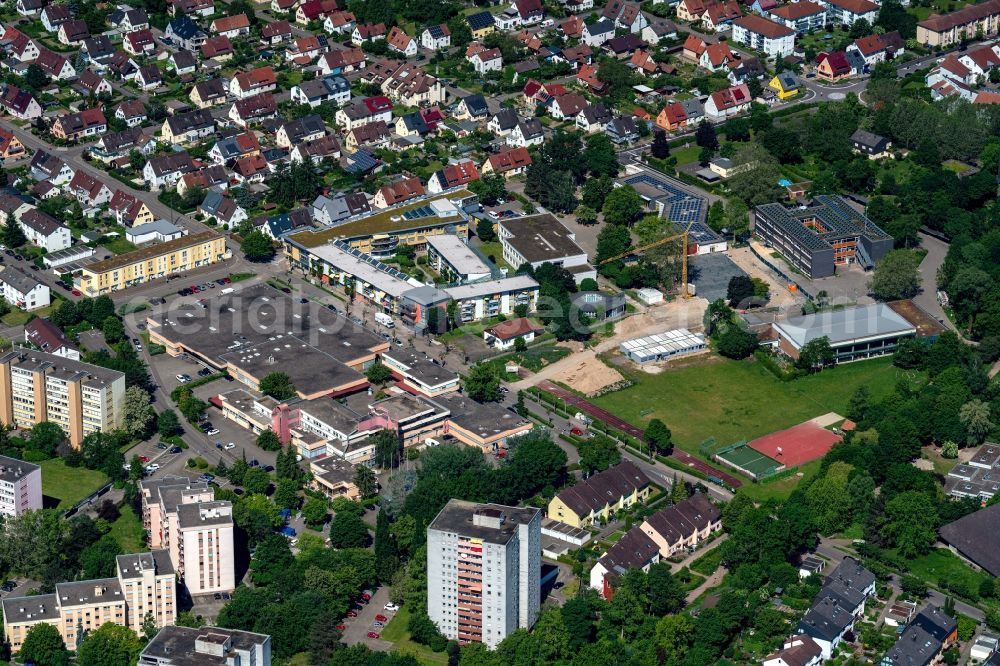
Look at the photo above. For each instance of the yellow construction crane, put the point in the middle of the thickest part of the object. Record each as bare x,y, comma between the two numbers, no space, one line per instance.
684,255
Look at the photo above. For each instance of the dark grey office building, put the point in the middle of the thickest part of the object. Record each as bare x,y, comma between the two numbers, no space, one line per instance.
817,238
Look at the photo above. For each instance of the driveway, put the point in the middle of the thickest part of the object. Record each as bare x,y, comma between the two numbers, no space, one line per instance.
937,250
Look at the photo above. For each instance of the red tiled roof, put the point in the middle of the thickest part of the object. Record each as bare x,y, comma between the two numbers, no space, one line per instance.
506,160
797,10
762,26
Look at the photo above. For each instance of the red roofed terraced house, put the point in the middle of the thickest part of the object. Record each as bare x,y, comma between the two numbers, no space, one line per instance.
833,66
726,103
509,162
76,126
966,23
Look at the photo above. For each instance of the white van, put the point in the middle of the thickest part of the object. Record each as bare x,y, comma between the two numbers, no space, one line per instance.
385,320
227,290
430,441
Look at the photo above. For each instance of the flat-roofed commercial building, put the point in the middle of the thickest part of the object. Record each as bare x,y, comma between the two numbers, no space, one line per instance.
259,330
854,333
816,239
78,397
183,517
486,426
456,261
418,374
145,584
368,278
207,646
20,486
489,298
542,239
149,263
379,234
484,570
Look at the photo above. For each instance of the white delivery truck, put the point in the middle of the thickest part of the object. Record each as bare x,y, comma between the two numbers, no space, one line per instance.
384,319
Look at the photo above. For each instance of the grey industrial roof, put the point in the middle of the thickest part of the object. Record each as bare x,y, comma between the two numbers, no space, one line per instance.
420,368
483,419
310,369
156,226
204,513
365,268
132,566
540,238
846,325
176,645
456,517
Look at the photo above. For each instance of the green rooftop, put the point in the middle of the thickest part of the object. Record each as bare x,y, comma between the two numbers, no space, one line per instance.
385,221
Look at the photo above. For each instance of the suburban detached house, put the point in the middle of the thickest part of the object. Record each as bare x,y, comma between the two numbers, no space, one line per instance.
30,7
89,191
20,45
400,42
231,26
452,175
566,107
340,23
527,132
91,84
254,82
307,128
128,210
185,33
505,335
114,146
206,94
222,209
10,145
879,48
833,66
140,42
327,147
871,145
314,10
183,62
333,89
166,170
256,109
72,32
55,65
472,107
338,207
366,32
364,111
46,166
20,103
54,16
304,50
43,230
77,126
192,7
149,77
436,37
218,48
234,147
22,290
593,118
728,102
596,34
785,84
373,134
276,32
341,62
622,129
484,60
129,20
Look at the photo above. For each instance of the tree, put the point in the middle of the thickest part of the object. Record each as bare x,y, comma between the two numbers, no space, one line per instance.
623,205
386,560
595,190
585,214
138,414
286,494
737,218
314,513
13,237
758,173
737,342
658,436
706,137
346,530
484,229
110,645
860,28
114,330
278,385
830,499
387,448
366,481
618,77
911,523
482,384
975,416
46,438
98,559
268,440
257,247
660,148
666,594
490,188
35,78
378,373
739,291
598,453
895,276
613,240
256,480
43,645
815,354
167,423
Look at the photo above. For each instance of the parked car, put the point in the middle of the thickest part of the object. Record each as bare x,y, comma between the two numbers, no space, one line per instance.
138,344
372,634
341,627
381,618
212,431
351,613
144,459
76,292
378,625
254,462
175,449
390,607
229,446
576,431
161,445
183,378
204,372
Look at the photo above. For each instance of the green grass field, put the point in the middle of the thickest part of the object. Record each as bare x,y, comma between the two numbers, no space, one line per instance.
128,531
709,396
396,633
942,565
68,485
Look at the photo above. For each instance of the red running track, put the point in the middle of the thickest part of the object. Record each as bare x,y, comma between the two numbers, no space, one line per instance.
615,422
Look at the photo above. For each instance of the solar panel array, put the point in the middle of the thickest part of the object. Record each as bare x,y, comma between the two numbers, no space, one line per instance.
370,260
679,205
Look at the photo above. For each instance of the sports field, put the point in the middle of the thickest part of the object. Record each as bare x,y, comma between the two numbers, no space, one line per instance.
796,445
748,461
709,396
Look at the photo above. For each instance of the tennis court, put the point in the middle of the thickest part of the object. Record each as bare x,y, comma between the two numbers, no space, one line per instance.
796,445
754,464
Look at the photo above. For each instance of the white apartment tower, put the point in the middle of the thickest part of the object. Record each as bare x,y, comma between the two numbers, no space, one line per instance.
182,516
483,570
20,486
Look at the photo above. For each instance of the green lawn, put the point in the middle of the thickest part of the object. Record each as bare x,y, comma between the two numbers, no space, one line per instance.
396,633
708,563
17,317
941,565
68,485
782,487
128,531
709,396
687,155
118,245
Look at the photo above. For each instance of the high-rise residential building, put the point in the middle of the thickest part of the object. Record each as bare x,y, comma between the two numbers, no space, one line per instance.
207,646
483,570
20,486
80,398
183,517
145,585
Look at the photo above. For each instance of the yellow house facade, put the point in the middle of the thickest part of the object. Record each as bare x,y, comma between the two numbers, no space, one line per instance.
783,88
596,499
134,268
